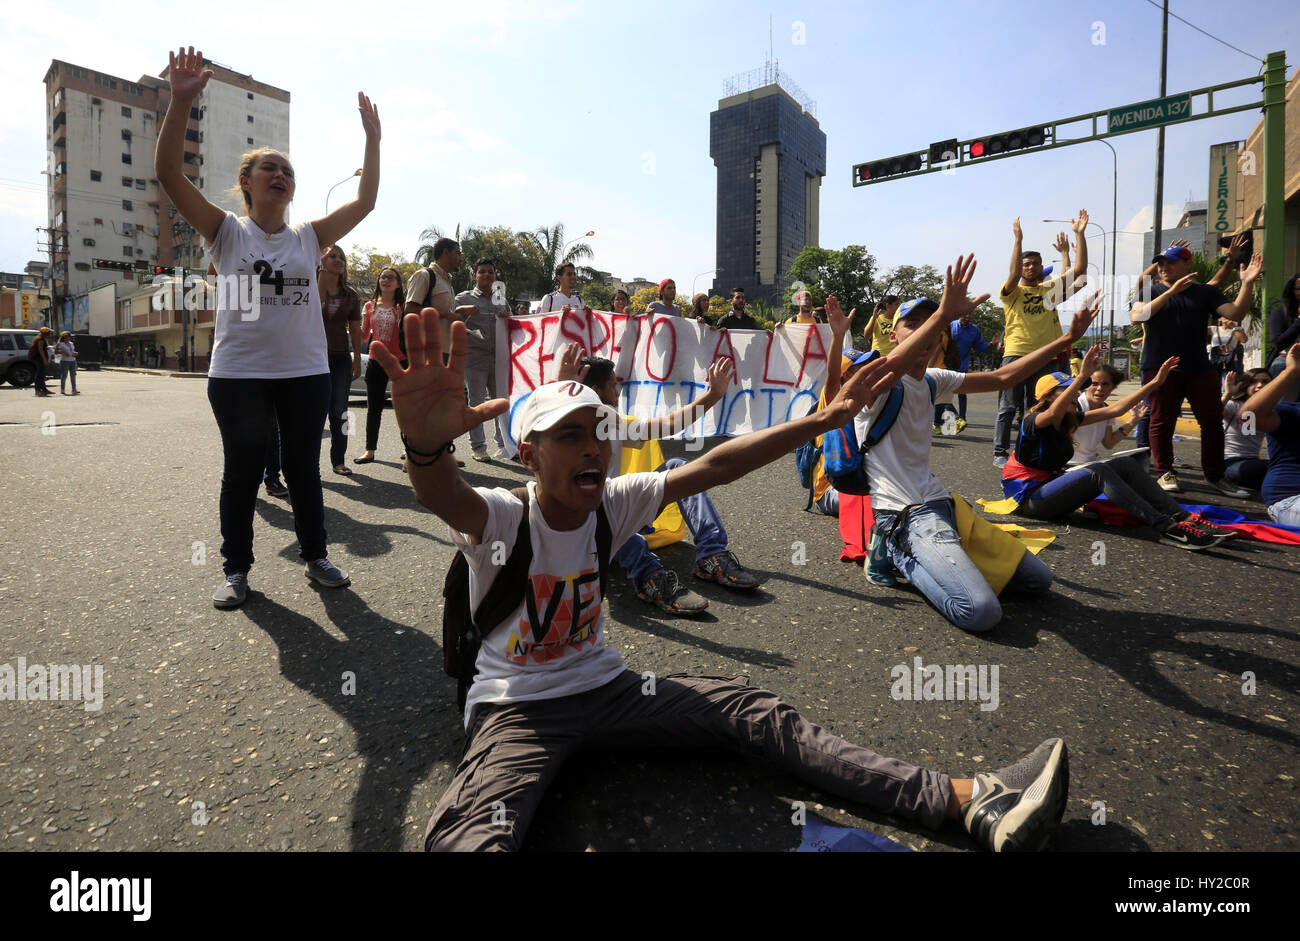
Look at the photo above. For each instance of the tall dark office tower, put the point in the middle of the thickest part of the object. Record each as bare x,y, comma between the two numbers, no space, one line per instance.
771,156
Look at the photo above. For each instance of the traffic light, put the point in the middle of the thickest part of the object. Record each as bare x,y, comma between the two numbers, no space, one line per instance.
942,152
1012,140
907,163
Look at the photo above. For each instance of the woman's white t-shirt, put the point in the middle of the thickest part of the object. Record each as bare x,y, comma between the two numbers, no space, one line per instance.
1088,438
269,322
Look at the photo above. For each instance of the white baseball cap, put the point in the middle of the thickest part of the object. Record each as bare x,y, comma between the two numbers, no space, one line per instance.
549,404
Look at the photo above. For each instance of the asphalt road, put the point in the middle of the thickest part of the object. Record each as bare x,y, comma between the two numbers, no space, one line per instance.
233,730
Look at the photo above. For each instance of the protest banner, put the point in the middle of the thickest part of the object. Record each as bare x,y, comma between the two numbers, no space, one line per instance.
662,363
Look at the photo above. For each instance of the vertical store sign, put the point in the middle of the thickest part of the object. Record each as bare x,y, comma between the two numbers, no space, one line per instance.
1221,218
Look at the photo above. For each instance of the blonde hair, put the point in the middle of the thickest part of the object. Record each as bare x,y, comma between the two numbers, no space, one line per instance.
246,169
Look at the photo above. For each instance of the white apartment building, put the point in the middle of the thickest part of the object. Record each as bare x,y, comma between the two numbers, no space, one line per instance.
110,221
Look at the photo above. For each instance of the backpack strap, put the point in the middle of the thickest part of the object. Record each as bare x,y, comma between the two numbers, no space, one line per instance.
885,420
934,387
507,590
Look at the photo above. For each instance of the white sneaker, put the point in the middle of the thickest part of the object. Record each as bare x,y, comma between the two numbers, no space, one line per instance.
1169,481
480,454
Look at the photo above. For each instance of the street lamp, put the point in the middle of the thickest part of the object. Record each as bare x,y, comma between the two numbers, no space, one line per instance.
571,241
700,275
336,186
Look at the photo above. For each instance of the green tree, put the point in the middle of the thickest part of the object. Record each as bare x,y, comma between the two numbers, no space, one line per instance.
909,281
365,263
597,294
848,273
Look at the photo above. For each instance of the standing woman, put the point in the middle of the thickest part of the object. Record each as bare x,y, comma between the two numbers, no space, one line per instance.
341,310
269,360
381,320
43,358
66,354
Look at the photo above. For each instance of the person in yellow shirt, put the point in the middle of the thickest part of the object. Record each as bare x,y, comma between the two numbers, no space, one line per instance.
1032,322
881,325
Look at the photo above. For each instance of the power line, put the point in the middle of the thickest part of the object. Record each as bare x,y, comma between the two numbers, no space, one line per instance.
1211,35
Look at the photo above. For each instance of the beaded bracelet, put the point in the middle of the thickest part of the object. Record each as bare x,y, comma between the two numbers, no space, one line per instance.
449,447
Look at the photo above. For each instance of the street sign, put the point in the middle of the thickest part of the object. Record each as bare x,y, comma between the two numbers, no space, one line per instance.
1150,113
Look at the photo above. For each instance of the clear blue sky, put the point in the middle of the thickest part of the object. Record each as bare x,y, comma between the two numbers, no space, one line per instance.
597,114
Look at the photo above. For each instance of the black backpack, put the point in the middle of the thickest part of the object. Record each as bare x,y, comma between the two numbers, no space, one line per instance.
462,634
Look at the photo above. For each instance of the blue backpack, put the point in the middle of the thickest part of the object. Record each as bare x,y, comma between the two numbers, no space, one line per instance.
844,461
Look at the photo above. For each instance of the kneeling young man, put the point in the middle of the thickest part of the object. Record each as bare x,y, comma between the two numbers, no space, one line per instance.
914,514
547,684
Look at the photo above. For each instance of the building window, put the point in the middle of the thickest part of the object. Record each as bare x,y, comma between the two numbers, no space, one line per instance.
126,158
126,133
250,119
96,176
192,135
250,141
126,204
250,96
195,114
126,181
128,251
99,222
139,184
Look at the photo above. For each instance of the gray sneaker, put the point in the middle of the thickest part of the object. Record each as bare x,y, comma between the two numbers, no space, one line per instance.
233,591
324,572
1018,807
1228,488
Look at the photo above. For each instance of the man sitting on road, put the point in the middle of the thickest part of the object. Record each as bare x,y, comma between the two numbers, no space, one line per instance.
545,688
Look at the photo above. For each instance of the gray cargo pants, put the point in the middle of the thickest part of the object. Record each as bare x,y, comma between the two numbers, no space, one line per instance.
516,749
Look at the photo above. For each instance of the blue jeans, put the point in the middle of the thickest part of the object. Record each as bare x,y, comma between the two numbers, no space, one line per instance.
1286,512
340,380
1246,471
707,532
829,502
246,411
1120,478
929,554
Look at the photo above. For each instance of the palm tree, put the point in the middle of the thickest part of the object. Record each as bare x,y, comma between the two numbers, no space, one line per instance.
460,280
550,244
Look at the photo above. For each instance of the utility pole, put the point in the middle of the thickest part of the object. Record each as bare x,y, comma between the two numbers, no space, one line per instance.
51,233
1157,242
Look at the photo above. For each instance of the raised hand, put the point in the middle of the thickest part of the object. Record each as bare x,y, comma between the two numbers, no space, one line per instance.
1229,379
1062,244
186,73
1015,229
1140,410
428,397
1235,247
1080,222
956,283
369,116
719,376
868,381
1165,369
1083,317
1090,360
569,359
835,316
1179,286
1251,271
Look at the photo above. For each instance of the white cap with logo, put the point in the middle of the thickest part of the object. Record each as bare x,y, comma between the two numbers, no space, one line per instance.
549,404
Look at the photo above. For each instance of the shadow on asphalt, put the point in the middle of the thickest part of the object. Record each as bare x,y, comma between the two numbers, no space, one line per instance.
362,540
402,710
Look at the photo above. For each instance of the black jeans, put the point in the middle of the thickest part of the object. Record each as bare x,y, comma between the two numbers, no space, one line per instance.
40,375
1122,480
246,411
340,379
376,392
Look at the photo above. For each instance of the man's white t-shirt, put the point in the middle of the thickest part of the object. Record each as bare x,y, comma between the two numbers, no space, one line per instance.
554,643
899,465
1087,438
556,301
283,336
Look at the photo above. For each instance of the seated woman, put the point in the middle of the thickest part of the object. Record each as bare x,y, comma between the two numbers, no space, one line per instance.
1091,437
1281,422
1034,475
1241,440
